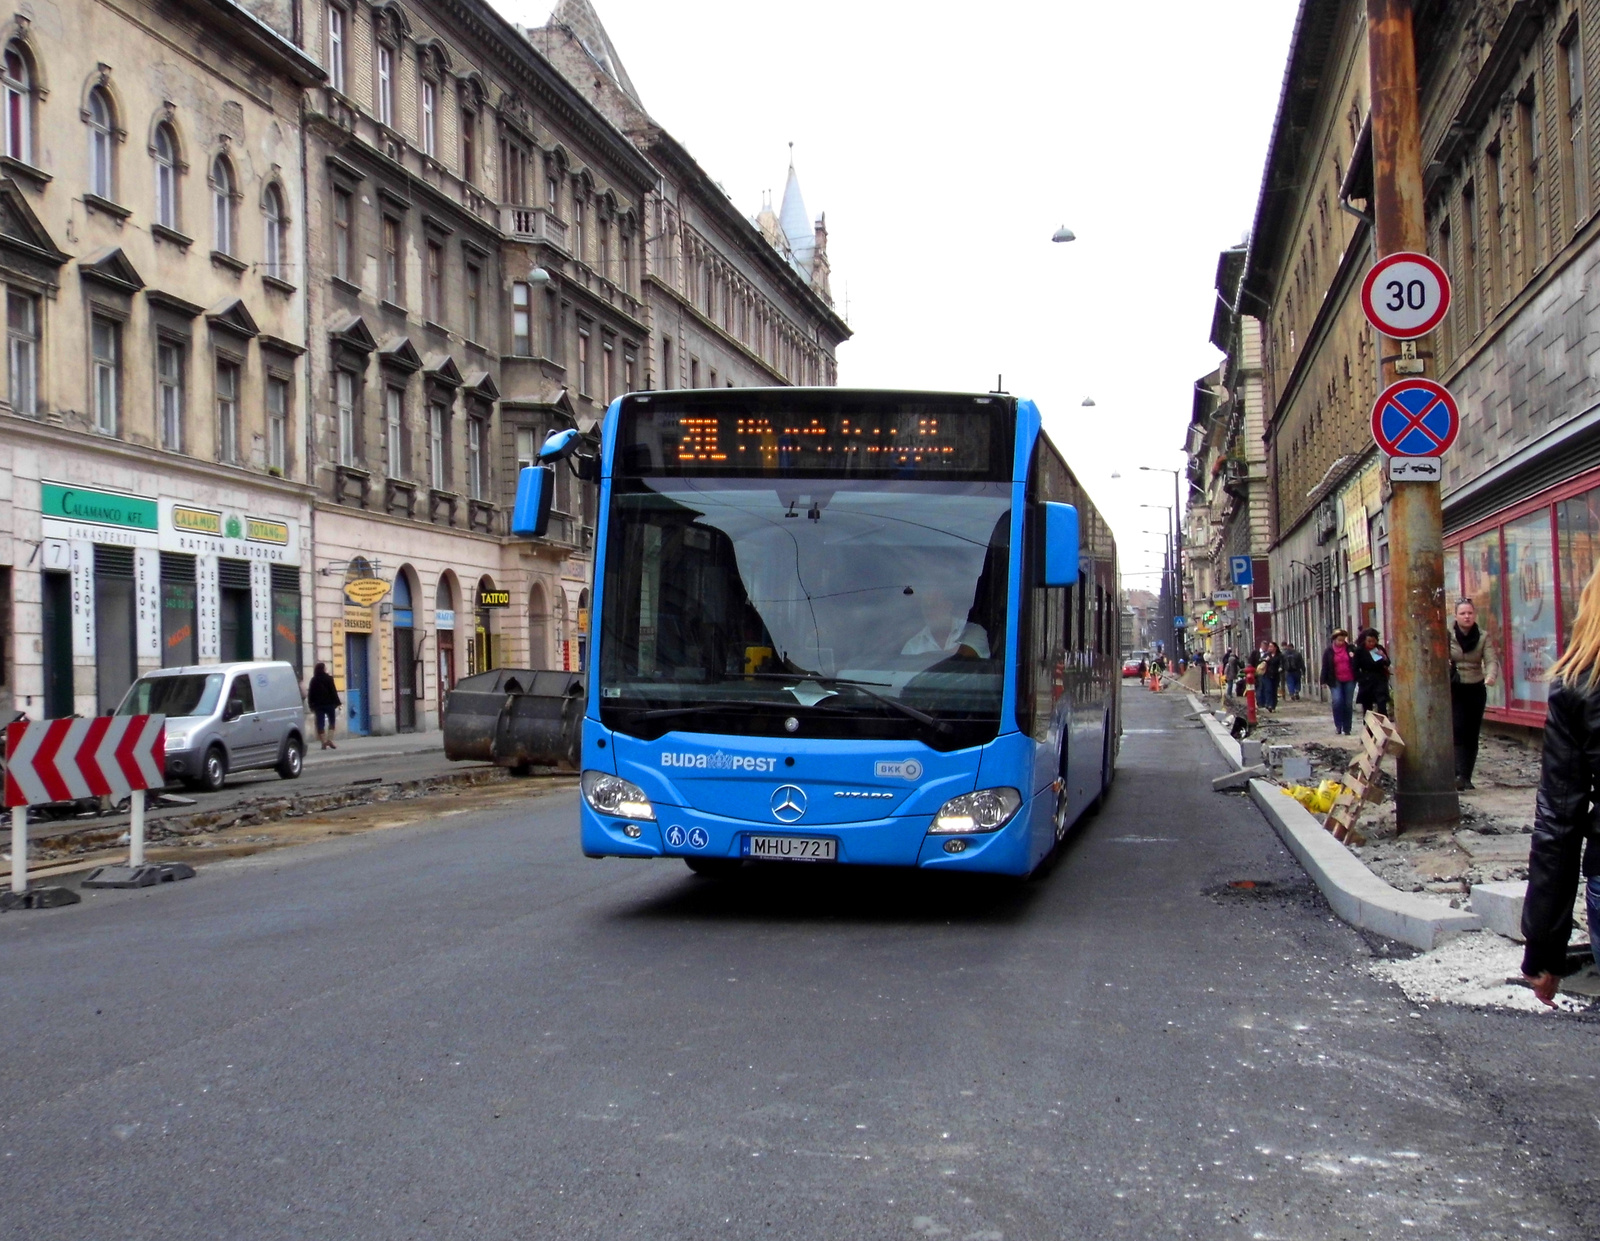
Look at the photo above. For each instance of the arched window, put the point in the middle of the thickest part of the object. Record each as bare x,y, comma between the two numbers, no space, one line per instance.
276,226
222,213
101,138
166,148
19,103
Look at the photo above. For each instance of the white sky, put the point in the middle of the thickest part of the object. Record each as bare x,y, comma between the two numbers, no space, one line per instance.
947,143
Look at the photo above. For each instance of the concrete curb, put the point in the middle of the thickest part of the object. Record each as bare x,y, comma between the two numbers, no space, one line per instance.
1219,735
1355,893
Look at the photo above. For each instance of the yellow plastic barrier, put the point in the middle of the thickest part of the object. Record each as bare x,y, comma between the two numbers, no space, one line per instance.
1318,800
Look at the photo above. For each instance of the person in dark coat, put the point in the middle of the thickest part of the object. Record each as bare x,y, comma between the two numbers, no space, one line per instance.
1294,668
322,696
1565,823
1372,673
1272,659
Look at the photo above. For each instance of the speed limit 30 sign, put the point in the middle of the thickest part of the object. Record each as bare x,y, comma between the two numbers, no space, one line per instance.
1405,295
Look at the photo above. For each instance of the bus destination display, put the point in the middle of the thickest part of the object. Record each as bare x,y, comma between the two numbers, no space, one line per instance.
946,438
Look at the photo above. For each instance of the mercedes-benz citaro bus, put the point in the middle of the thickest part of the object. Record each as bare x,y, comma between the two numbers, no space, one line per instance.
835,626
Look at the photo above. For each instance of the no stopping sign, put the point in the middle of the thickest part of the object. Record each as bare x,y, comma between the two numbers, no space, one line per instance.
1405,295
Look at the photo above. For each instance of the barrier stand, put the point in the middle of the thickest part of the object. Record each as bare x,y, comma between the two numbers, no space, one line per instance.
19,897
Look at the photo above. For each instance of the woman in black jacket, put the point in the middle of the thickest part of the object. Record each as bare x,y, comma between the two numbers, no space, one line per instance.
1564,819
322,696
1372,672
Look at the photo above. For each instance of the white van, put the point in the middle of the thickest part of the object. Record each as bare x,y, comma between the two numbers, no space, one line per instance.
225,717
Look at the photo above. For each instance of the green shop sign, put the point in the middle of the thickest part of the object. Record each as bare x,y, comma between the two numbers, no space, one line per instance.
103,508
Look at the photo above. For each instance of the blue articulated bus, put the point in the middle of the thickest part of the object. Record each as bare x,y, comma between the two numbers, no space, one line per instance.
859,627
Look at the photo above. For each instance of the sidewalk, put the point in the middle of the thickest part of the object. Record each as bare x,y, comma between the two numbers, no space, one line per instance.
1496,817
351,749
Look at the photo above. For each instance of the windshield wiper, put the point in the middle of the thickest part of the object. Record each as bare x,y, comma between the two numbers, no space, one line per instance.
922,717
699,708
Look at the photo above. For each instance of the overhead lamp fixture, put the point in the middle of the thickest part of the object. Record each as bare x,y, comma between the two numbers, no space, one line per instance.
538,276
1064,234
1088,402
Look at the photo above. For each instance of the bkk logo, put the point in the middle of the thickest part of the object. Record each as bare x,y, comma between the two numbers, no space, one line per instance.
719,761
909,769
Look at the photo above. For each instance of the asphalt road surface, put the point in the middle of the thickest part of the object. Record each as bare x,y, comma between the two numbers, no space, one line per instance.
464,1028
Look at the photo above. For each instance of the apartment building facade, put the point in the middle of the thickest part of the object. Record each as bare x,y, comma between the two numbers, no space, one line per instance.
154,507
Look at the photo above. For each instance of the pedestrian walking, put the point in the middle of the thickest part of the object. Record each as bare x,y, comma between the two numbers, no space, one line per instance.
1294,668
1474,668
1565,822
1339,675
322,696
1271,675
1372,673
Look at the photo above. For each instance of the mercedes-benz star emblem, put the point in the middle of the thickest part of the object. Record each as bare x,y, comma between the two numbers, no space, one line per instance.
788,803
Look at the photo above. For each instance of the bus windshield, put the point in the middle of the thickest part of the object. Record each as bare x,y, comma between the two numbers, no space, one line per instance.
858,607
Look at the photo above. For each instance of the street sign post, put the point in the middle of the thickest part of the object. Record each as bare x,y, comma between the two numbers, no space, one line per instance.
1415,418
1405,295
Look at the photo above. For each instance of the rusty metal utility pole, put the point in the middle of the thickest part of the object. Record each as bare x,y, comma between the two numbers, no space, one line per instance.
1419,646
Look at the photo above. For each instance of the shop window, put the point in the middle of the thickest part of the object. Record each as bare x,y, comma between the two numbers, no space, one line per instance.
1578,543
115,609
1531,609
179,611
234,611
6,664
286,616
1480,582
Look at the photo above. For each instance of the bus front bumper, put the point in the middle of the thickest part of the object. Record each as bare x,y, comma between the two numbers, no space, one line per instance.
899,841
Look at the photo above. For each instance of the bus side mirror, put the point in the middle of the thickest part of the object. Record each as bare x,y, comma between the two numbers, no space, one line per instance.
559,445
530,517
1060,545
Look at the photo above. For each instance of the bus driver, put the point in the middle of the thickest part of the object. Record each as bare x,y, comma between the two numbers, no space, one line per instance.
944,630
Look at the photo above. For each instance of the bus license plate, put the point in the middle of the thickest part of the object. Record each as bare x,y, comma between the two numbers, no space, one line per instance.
792,848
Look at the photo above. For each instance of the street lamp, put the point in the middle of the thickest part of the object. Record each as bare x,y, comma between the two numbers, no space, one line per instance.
1177,543
1064,234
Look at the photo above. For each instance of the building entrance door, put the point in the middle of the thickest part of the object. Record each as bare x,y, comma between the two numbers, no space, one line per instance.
57,645
357,703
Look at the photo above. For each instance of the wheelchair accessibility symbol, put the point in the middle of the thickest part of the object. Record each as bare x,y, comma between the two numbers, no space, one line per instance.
698,839
675,836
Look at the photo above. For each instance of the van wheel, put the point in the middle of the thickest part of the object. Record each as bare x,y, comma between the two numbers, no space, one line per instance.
293,760
214,771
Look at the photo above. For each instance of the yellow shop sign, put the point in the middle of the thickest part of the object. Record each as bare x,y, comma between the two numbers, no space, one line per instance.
197,520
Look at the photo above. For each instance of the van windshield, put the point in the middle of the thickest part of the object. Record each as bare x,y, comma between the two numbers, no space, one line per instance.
192,694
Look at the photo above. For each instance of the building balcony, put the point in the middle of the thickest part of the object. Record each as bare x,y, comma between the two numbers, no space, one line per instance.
481,515
442,507
399,498
533,224
351,485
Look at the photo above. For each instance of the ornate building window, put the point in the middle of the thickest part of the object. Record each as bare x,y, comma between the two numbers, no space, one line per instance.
105,361
224,216
276,250
228,412
385,91
22,352
430,117
101,120
337,25
18,82
169,393
348,425
166,159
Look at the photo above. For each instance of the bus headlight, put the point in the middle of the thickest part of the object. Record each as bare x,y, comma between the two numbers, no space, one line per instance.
614,796
987,810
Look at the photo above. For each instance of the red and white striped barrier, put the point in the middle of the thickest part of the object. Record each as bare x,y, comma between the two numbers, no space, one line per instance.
113,756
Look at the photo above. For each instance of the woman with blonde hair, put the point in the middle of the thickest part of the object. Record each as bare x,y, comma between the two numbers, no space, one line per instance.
1564,821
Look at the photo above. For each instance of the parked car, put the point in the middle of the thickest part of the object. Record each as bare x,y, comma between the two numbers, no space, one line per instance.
225,717
1135,663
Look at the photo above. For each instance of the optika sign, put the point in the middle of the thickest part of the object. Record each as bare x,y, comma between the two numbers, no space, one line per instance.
718,761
